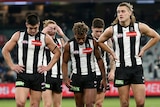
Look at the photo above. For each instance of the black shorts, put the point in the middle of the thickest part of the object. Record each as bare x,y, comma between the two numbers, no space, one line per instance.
128,75
32,81
98,79
53,84
81,82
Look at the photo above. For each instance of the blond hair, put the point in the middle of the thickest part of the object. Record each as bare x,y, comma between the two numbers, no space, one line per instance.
47,22
130,7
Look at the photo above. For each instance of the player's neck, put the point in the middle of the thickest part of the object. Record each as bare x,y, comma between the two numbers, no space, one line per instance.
125,23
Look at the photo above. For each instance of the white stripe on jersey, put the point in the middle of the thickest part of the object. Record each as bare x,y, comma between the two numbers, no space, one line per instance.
126,44
83,58
54,68
30,51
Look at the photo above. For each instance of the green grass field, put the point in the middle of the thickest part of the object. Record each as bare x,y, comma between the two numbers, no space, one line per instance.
109,102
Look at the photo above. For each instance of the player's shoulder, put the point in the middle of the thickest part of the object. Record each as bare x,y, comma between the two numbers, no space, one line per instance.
89,36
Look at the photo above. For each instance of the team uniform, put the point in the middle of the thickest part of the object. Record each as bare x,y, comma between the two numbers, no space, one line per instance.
105,57
30,52
129,65
83,65
54,76
98,72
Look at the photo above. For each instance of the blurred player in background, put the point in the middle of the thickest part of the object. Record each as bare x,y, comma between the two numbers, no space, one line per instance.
53,78
97,29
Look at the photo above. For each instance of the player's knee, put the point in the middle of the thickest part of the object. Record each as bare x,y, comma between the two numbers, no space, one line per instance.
57,105
90,103
98,104
48,105
140,104
20,103
34,104
125,104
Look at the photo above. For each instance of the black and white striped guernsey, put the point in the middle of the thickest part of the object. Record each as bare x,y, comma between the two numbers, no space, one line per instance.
104,56
56,70
82,57
30,51
127,45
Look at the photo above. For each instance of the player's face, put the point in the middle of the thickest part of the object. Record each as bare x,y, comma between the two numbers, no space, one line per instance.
80,38
123,13
32,30
96,32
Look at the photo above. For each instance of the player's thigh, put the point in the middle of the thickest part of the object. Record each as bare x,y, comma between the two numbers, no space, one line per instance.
139,92
47,96
21,94
124,93
79,99
100,97
35,96
90,95
57,99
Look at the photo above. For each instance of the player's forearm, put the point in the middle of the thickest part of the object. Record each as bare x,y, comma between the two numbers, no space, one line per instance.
112,63
106,48
102,68
150,43
54,59
7,58
65,38
65,70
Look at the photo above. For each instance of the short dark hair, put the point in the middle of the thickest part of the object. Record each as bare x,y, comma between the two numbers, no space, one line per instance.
32,19
98,23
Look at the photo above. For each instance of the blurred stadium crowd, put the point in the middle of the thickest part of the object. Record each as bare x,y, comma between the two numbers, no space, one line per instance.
66,14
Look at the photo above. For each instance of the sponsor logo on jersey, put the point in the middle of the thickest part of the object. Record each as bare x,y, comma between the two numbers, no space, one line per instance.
87,50
120,35
25,42
46,47
75,52
131,34
36,42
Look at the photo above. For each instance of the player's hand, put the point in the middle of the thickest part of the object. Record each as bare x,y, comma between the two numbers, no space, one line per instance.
111,76
46,29
103,84
42,69
67,82
59,31
17,68
114,56
141,53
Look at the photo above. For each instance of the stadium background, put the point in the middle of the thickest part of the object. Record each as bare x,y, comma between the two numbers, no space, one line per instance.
66,13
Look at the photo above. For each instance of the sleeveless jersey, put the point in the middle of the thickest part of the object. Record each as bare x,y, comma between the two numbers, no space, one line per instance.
31,51
127,45
56,70
105,58
104,55
82,57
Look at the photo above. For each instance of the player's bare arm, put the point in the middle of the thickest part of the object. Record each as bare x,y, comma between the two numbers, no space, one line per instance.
55,50
146,30
66,57
6,53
